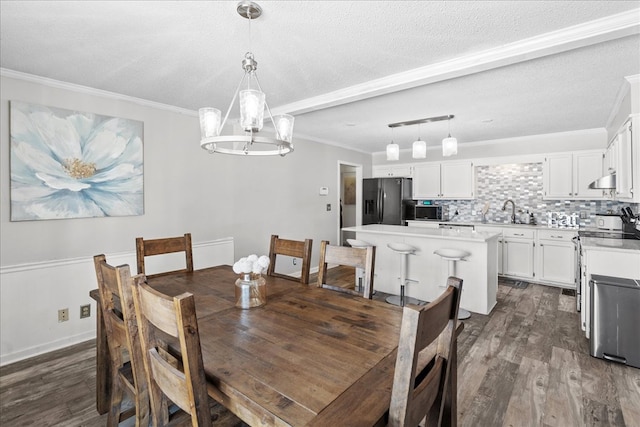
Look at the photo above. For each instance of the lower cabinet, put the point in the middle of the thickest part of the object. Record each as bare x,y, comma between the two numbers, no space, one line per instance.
556,257
546,255
517,257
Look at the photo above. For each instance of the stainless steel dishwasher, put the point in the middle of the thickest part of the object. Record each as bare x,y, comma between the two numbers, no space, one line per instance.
615,319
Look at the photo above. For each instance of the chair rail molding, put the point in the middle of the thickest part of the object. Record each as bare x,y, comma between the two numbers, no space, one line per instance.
32,293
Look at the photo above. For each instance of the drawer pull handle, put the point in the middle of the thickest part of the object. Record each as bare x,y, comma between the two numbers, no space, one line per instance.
518,234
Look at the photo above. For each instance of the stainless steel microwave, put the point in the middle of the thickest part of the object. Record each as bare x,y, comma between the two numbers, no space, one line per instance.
424,210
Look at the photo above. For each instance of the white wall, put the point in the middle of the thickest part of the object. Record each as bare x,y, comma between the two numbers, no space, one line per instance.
186,190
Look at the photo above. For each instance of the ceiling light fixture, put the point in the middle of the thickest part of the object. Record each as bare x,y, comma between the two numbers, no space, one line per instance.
449,144
393,149
419,149
252,105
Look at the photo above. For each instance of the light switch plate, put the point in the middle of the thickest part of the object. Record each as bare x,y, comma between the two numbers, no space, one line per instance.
324,191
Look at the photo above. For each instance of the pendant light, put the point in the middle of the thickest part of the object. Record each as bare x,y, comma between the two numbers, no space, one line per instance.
419,147
252,107
393,149
449,144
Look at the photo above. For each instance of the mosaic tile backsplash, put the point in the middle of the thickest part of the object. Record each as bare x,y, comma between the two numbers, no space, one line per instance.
522,183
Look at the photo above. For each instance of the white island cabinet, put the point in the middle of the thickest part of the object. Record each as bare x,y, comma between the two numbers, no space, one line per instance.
426,271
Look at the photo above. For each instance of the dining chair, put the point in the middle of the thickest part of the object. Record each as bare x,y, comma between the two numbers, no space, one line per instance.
163,320
363,258
127,365
427,335
167,245
291,248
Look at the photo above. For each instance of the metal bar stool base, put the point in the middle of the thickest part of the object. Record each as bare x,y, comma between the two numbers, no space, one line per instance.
395,300
463,314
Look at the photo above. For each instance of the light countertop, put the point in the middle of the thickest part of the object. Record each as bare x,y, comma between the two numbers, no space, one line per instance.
622,245
431,233
497,224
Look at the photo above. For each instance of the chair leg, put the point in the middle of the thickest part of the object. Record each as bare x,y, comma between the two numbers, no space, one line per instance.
142,408
113,419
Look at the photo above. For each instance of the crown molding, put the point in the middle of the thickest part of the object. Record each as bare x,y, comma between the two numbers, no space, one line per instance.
623,91
5,72
586,34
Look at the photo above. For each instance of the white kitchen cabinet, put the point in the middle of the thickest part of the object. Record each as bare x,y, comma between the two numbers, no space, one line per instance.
396,171
610,157
556,255
518,252
622,161
446,180
566,176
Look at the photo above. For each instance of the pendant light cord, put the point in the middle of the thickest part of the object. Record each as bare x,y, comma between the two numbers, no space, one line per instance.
250,51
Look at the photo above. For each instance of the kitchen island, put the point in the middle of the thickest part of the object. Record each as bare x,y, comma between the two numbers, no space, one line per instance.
426,271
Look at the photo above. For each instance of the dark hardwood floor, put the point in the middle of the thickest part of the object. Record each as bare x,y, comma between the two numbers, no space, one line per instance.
526,364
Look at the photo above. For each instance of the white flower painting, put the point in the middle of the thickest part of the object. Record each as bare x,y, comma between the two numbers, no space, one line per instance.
70,164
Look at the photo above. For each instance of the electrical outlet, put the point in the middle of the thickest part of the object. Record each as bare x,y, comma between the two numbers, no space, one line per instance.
295,261
85,311
63,315
328,207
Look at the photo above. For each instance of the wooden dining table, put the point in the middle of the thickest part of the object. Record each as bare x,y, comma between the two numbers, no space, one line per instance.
309,356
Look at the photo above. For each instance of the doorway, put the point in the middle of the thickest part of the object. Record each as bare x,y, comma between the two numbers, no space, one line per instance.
349,199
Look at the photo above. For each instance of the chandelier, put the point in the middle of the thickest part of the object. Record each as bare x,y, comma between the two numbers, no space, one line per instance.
252,102
419,147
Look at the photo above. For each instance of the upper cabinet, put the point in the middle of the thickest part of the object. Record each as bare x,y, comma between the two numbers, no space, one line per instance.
619,159
567,176
396,171
445,180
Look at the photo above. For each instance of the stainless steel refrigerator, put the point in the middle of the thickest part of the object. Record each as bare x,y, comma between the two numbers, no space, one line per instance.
383,200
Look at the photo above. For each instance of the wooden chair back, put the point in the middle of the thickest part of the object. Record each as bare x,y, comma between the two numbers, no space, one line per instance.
163,320
119,318
363,258
291,248
419,385
168,245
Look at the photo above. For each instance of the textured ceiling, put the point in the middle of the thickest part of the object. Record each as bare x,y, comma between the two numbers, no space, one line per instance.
187,54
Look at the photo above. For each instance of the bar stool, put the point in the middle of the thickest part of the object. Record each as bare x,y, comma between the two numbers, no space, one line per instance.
451,256
404,250
354,243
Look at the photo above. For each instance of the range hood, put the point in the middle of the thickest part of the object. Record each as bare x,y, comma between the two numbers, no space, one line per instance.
607,182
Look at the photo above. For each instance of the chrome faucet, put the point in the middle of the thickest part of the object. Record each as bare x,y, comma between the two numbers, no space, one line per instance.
513,210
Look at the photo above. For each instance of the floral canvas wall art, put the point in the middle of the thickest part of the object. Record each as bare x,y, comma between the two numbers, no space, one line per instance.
71,164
